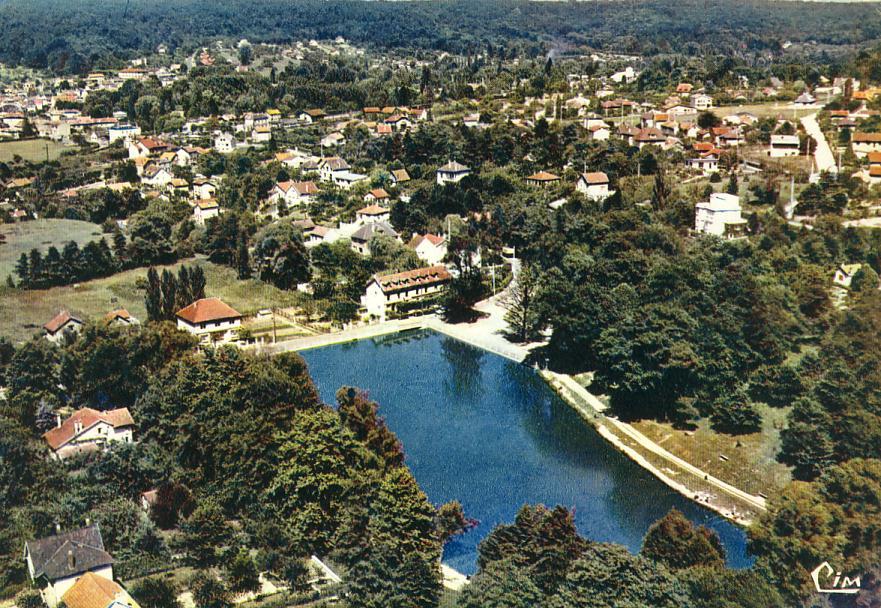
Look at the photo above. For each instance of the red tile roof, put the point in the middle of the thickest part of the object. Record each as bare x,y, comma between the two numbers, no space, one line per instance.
207,309
93,591
119,313
869,138
597,177
378,193
88,417
59,321
373,210
421,277
543,176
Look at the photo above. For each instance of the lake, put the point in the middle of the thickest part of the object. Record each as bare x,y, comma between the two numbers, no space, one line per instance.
489,432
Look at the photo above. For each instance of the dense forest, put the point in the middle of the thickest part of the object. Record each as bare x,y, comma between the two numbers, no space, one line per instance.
46,33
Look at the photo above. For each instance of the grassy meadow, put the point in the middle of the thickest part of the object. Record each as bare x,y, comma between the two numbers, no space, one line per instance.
21,237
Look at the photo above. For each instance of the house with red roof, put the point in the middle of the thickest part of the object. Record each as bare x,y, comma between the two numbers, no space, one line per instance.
89,430
431,248
594,185
386,293
211,319
62,324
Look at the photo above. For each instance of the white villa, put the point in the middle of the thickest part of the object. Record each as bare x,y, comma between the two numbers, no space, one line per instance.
594,185
720,216
61,325
431,248
451,173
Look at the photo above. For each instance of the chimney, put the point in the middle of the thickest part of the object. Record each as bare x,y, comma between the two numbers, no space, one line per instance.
58,420
71,560
57,527
88,521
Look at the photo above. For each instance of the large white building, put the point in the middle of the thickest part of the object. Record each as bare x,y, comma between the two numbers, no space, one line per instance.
784,145
385,293
451,173
720,216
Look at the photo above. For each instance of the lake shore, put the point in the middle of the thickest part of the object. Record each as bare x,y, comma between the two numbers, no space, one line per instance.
691,482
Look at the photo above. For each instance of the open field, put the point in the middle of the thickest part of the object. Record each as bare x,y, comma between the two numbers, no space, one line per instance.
750,464
23,236
23,312
33,150
763,110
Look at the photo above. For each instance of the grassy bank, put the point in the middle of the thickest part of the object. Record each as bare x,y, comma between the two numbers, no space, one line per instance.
21,237
32,150
24,311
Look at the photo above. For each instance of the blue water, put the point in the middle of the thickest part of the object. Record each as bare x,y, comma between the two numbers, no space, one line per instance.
489,432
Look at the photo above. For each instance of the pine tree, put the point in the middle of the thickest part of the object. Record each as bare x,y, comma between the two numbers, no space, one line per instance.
153,299
169,295
36,265
197,283
184,295
733,186
660,192
22,269
243,262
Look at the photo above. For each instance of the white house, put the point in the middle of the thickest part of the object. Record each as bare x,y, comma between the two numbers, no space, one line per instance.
261,135
362,236
331,140
89,430
347,179
864,143
430,248
121,318
56,563
706,163
372,213
311,116
61,325
204,188
594,185
626,75
331,165
451,173
293,193
126,133
702,102
205,209
385,293
211,319
783,145
376,195
224,143
805,100
720,216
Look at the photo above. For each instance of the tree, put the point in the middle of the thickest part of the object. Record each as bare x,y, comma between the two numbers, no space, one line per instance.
660,191
707,120
205,532
466,289
243,261
522,305
29,598
209,592
168,284
674,541
735,413
174,502
451,521
246,54
242,573
156,592
503,584
733,186
865,279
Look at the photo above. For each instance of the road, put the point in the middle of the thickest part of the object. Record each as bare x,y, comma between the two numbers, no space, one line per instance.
823,157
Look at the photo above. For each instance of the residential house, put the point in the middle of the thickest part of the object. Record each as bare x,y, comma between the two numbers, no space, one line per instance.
431,248
452,173
261,135
542,178
155,175
320,234
599,132
347,179
332,140
649,137
293,193
205,209
127,133
372,213
89,430
706,162
805,100
331,165
784,145
399,176
147,146
362,236
378,195
56,563
211,319
311,116
720,216
398,122
594,185
224,143
863,143
702,102
384,294
93,591
204,188
63,324
120,317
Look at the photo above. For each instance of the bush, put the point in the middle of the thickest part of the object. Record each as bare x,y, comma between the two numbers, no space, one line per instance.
736,414
156,592
29,598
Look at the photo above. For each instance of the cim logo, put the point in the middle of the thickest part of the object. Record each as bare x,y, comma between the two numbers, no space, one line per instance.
839,584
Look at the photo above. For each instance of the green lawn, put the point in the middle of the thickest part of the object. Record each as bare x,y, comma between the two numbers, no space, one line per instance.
23,312
23,236
766,109
32,150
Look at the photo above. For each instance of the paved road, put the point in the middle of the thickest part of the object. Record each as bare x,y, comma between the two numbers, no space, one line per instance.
823,156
